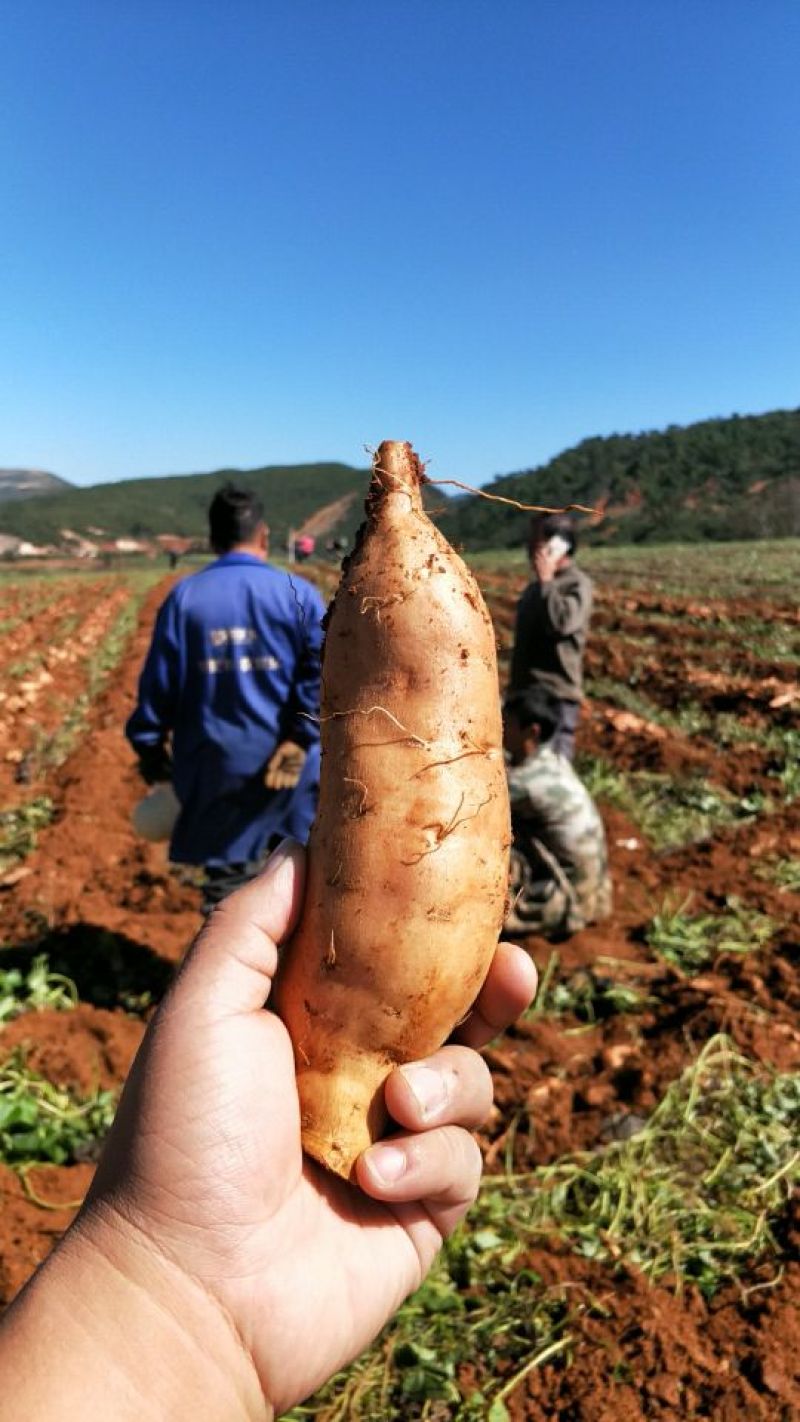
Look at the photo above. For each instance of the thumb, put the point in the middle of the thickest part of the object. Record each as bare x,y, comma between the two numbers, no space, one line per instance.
231,964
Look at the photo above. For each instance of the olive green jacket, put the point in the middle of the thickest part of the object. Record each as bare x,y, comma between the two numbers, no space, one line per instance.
552,623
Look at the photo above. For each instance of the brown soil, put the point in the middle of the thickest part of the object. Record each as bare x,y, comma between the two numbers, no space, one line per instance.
645,1352
34,1214
110,912
87,1049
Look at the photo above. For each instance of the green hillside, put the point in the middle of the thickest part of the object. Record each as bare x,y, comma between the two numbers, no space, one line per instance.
736,478
179,503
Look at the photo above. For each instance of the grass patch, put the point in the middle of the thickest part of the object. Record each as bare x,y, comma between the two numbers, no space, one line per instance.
624,695
51,751
475,1307
766,568
672,813
690,941
19,828
789,772
43,1122
776,641
690,718
729,730
694,1192
35,990
588,995
784,872
692,1195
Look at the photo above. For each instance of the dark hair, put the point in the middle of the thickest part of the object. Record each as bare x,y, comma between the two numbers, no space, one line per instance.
234,516
534,706
545,526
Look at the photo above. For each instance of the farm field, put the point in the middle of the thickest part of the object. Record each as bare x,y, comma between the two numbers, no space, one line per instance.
634,1252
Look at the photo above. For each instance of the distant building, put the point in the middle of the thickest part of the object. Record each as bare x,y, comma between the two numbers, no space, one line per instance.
131,545
76,545
175,543
34,550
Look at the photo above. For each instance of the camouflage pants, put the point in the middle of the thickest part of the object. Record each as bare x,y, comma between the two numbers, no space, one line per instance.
545,901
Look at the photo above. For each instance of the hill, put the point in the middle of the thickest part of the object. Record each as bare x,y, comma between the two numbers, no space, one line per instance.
736,478
719,479
29,484
142,508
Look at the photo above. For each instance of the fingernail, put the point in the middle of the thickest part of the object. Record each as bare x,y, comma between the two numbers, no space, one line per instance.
429,1088
280,853
387,1162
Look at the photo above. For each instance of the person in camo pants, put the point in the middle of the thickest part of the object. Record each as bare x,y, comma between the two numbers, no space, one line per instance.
559,880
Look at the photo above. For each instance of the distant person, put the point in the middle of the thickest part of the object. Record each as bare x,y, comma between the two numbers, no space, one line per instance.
552,624
559,878
228,702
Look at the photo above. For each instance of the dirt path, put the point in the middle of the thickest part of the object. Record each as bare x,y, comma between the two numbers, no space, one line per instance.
89,872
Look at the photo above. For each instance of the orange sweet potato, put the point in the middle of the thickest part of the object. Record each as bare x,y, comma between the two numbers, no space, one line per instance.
408,856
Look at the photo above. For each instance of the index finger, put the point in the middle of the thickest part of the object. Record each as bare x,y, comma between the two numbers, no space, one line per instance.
509,988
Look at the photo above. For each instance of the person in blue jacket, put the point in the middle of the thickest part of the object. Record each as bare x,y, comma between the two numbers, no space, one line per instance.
228,702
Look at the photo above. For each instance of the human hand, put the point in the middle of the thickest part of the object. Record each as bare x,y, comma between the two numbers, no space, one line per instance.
154,765
204,1198
285,767
545,562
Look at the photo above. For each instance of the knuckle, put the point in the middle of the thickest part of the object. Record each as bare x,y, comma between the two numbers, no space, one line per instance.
465,1164
477,1088
473,1162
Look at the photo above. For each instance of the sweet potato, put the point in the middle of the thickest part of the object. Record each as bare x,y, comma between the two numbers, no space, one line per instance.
408,856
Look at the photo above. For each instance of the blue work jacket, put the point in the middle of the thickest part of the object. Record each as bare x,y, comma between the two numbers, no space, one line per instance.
233,669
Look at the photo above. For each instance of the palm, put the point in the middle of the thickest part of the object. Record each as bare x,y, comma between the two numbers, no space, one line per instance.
270,1234
205,1155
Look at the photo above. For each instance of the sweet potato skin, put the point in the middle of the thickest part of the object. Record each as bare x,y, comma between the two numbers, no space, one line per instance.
408,856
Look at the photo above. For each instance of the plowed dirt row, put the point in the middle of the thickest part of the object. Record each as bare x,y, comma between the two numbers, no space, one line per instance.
110,913
43,674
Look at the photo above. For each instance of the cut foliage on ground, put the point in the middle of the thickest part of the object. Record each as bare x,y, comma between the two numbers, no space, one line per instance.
43,1122
34,990
693,1196
690,941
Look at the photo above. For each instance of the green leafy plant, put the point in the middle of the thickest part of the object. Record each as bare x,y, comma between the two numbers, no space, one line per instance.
671,812
476,1304
43,1122
35,990
789,774
690,941
784,872
693,1193
19,827
588,994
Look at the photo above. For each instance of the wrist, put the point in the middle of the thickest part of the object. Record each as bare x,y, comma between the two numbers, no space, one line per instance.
126,1334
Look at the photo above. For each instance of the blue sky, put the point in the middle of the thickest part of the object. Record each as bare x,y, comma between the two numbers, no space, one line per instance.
238,232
